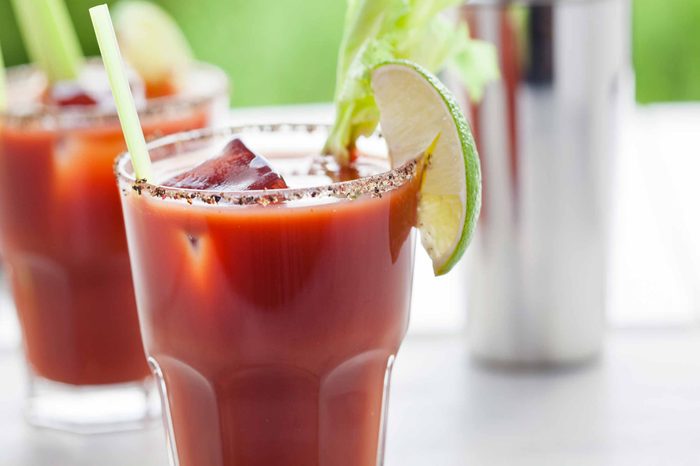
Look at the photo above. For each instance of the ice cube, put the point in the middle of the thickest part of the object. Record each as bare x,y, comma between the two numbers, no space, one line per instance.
92,88
237,168
70,93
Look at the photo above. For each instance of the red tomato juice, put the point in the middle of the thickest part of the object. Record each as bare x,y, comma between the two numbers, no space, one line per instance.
273,327
63,242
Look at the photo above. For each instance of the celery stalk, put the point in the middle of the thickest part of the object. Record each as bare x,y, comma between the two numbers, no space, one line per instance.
3,84
31,32
380,30
50,38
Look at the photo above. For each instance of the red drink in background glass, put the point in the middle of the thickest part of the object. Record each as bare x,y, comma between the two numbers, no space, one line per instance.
62,237
272,318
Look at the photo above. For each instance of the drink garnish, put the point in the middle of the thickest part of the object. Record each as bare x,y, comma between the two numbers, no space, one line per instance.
237,168
54,48
119,83
420,116
153,44
50,38
380,30
3,84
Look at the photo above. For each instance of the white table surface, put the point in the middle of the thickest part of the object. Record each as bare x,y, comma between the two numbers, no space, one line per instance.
639,405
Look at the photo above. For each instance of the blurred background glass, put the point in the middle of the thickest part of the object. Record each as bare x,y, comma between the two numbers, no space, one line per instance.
283,51
275,51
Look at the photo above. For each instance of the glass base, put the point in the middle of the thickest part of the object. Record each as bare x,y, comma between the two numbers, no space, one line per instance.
92,409
223,445
9,327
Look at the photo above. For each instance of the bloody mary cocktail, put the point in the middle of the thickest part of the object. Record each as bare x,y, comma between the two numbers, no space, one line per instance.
62,233
271,317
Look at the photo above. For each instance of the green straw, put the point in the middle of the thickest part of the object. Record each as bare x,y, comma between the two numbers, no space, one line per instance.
3,84
50,37
118,81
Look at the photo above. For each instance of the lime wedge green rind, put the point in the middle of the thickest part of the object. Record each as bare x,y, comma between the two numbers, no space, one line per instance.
446,219
473,173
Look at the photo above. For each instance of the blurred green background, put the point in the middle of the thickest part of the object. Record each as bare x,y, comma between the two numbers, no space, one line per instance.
283,51
275,51
666,49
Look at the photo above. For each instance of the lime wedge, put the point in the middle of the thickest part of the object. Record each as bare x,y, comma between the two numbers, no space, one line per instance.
151,42
415,109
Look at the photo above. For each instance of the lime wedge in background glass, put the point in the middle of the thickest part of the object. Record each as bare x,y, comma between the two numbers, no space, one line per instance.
152,43
415,109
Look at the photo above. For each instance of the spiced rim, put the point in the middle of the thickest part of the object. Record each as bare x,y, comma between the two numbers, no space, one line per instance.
37,113
374,185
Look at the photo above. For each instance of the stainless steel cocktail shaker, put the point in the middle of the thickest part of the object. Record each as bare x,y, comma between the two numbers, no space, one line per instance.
546,135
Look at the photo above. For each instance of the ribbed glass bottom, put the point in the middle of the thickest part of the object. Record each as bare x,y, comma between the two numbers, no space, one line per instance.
277,415
91,409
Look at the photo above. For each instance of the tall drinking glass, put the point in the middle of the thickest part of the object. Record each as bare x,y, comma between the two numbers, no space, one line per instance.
63,242
272,318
